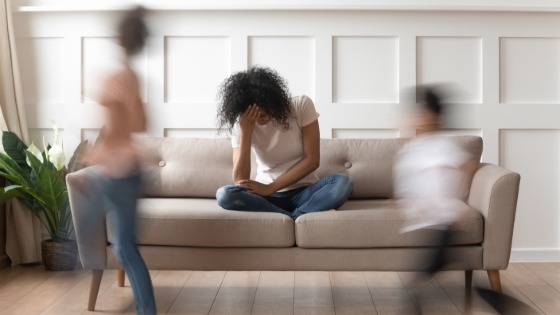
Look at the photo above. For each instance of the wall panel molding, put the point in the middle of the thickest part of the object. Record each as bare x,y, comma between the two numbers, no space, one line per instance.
396,5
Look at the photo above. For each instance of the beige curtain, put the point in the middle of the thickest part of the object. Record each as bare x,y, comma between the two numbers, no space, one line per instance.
23,230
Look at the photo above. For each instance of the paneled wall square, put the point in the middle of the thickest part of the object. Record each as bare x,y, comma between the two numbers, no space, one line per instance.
361,133
100,57
42,82
194,67
535,154
529,70
365,69
456,61
208,133
292,56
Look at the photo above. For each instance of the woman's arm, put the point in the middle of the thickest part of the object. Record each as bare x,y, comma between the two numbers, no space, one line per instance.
241,163
242,154
308,163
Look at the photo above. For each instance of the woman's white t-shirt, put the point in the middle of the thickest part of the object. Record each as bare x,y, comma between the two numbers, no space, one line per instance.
278,150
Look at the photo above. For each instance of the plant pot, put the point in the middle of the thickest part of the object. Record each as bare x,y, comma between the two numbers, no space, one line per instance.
59,256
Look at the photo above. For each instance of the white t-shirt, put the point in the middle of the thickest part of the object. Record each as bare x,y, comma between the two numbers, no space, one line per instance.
428,181
278,150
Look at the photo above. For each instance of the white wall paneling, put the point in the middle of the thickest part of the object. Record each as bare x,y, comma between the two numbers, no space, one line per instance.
339,133
538,196
355,59
530,70
291,5
456,61
44,80
366,69
292,56
194,67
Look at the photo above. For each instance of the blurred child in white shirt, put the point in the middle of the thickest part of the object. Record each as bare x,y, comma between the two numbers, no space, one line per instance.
430,176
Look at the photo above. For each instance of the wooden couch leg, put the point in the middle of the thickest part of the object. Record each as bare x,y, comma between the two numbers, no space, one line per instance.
96,276
468,279
120,275
494,278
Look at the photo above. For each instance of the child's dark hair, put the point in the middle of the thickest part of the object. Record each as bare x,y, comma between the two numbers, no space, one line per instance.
430,98
258,85
133,31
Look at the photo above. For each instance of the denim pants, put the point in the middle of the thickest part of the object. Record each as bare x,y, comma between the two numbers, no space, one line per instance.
119,198
330,192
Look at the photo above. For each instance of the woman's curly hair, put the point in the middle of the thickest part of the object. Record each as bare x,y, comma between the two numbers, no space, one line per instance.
258,85
133,31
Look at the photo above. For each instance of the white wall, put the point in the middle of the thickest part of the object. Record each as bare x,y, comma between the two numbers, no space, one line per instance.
354,63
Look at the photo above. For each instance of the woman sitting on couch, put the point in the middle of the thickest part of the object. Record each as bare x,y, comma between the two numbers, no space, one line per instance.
283,133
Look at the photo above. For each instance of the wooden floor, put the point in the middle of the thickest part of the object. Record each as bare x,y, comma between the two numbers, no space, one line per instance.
32,290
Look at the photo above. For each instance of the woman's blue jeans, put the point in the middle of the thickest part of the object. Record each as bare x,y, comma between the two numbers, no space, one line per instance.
329,192
119,198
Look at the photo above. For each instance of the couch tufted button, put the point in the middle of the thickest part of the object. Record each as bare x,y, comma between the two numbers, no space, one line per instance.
348,165
162,163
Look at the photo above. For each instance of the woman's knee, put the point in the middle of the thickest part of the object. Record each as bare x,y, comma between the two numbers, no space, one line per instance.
344,183
226,196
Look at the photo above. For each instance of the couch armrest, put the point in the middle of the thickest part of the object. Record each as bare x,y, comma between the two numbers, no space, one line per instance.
90,226
494,192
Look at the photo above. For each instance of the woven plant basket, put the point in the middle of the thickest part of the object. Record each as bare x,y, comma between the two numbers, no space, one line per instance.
59,256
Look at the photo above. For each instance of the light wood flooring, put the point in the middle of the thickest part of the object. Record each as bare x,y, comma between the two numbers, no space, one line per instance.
32,290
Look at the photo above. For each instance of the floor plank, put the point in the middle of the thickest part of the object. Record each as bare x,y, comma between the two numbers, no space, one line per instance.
545,297
466,300
30,278
548,272
237,293
389,294
312,289
480,279
351,294
9,274
32,290
75,300
519,275
198,294
428,295
40,298
275,293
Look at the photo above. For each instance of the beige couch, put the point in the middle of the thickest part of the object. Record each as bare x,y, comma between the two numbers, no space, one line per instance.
180,225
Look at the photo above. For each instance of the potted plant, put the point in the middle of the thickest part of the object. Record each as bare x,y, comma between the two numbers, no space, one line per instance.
37,179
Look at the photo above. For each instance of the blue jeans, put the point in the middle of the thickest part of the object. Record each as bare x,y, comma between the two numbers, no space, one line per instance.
330,192
118,197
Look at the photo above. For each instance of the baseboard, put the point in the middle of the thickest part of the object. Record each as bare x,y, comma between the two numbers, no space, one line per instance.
4,261
535,255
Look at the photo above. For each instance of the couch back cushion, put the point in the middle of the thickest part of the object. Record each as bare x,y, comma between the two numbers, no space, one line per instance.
369,162
191,167
185,167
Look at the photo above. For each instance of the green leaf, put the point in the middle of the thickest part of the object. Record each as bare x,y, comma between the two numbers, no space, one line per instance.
18,175
9,192
53,193
15,148
9,177
39,186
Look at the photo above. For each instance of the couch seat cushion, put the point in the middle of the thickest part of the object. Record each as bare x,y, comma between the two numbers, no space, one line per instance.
202,223
374,224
